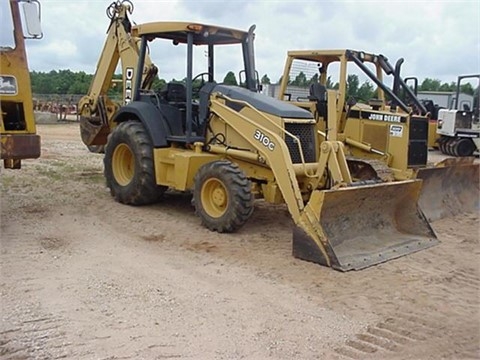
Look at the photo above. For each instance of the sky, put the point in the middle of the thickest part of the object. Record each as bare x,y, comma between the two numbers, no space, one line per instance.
437,39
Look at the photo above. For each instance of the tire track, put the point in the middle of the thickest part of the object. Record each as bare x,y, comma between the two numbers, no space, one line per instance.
392,335
27,333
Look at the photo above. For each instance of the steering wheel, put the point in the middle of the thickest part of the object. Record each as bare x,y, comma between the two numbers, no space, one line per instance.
196,87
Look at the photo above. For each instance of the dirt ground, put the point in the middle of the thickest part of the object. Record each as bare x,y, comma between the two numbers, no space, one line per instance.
83,277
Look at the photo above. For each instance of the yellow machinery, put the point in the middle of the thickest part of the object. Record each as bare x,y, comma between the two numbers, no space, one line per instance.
385,137
230,145
17,123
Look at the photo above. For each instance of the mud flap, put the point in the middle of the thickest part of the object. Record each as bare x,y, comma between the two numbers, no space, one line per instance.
364,226
450,189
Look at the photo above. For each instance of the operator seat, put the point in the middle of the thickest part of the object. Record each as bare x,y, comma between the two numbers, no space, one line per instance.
318,93
174,93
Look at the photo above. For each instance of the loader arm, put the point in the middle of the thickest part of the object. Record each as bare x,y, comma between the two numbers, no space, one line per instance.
327,231
277,157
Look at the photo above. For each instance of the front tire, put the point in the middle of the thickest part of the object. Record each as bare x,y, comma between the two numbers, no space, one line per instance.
223,196
129,166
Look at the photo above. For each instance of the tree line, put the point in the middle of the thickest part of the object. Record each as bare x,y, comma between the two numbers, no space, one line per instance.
67,82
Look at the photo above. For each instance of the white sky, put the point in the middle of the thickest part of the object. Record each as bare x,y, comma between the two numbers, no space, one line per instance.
437,39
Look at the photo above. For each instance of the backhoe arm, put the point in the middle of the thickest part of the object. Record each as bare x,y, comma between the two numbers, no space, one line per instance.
96,109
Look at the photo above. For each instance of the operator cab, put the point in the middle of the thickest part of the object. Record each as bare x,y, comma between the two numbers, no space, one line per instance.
184,104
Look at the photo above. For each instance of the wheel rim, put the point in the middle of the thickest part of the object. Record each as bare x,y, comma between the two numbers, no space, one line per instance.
214,197
123,164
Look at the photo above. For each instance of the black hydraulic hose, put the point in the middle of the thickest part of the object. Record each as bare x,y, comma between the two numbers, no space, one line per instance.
412,95
141,62
374,78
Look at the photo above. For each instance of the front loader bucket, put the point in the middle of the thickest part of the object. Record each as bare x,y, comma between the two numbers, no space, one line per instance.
363,226
449,190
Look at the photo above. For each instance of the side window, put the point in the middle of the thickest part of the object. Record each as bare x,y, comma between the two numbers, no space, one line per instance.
7,39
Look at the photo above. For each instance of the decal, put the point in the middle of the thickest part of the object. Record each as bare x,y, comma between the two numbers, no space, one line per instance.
264,140
385,117
356,114
396,130
8,85
128,85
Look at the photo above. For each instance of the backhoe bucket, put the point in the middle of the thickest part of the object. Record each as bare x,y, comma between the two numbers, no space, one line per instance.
450,189
93,132
363,226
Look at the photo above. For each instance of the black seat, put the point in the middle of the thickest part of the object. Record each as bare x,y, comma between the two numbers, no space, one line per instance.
174,93
318,93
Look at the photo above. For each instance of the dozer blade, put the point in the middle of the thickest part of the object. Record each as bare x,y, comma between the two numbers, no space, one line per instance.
449,189
363,226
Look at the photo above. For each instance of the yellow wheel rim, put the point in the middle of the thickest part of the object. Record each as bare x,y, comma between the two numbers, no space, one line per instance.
214,198
123,164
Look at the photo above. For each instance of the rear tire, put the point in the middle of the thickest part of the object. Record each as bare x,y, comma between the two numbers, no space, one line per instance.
464,147
222,196
129,166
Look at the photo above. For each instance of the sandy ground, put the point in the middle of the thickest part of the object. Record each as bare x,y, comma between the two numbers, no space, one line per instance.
83,277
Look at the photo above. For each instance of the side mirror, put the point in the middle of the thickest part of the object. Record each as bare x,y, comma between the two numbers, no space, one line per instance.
31,12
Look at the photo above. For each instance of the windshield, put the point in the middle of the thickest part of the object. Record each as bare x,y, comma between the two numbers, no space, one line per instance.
7,39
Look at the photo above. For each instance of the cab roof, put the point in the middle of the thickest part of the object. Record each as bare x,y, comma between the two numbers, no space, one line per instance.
330,55
203,34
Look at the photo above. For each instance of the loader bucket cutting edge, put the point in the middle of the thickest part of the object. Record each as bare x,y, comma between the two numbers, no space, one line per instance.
366,225
449,190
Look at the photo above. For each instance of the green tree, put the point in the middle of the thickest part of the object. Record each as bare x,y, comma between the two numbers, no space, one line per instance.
467,89
300,79
430,85
447,87
313,79
158,84
365,92
265,80
230,79
353,84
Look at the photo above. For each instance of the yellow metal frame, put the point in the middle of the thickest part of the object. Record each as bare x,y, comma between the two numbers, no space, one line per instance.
24,143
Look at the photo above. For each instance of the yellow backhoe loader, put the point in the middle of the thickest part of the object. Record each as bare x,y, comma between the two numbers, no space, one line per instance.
230,145
385,137
18,136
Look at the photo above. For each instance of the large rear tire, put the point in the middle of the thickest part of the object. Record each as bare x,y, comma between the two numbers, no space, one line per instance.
129,166
464,147
223,196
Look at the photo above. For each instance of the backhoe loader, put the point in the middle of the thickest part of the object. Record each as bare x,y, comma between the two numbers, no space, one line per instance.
18,136
385,137
230,145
